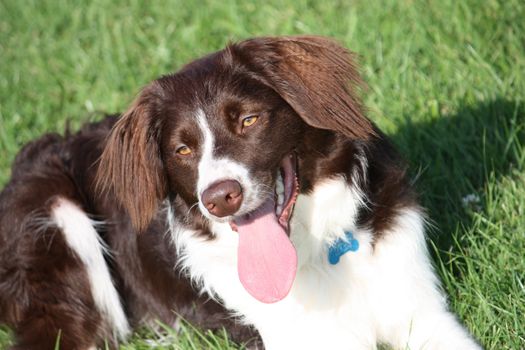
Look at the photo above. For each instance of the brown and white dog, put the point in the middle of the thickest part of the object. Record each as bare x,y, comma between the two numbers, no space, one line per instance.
250,176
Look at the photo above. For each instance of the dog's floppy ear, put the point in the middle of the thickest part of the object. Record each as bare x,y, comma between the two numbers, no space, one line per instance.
131,165
314,75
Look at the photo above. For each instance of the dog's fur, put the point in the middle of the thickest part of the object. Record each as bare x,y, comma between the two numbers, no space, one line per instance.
104,230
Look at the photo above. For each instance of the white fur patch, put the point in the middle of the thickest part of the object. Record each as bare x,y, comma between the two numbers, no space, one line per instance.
212,170
384,293
84,240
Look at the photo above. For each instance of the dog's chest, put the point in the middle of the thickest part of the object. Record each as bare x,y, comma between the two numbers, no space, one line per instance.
321,299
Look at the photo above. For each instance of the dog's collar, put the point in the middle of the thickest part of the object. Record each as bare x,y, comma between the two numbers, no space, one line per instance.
341,246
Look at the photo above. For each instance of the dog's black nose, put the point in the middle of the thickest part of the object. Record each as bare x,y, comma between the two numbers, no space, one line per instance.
223,198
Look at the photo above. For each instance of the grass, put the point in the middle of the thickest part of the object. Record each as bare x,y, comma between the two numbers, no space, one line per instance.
446,82
185,338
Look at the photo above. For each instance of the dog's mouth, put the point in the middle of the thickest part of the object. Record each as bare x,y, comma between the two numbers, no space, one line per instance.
285,194
287,190
267,260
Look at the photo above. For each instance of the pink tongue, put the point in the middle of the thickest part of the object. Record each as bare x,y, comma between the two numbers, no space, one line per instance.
266,258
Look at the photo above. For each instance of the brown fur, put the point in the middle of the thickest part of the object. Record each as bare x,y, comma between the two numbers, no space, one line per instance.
314,75
130,165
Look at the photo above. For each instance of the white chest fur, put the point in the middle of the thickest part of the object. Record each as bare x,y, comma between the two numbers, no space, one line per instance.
386,293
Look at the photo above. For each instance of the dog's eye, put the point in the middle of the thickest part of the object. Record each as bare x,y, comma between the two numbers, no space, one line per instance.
184,150
249,121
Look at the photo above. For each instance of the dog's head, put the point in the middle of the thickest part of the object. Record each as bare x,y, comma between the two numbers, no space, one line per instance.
226,133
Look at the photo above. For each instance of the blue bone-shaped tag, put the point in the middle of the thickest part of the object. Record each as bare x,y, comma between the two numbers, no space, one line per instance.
341,247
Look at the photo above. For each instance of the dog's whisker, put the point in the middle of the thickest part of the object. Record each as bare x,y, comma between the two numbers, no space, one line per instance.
190,208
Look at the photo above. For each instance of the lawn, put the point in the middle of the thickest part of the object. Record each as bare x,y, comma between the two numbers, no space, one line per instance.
446,80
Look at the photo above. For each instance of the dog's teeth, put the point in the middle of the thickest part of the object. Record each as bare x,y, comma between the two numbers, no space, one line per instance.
280,198
279,184
279,190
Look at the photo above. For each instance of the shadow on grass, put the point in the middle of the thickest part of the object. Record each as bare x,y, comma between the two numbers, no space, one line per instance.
454,156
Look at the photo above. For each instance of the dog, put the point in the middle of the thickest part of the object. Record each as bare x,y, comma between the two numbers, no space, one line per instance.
247,191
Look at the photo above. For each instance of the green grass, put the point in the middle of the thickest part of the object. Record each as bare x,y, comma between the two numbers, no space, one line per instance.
185,338
446,81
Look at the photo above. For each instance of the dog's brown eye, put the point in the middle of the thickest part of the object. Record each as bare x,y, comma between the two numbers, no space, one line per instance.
184,150
249,121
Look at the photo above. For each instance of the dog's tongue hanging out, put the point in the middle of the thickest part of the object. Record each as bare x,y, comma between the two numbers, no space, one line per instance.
267,261
266,258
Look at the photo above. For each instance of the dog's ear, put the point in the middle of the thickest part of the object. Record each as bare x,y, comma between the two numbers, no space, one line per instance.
314,75
131,164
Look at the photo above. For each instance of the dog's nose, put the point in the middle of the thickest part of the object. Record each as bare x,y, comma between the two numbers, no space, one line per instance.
223,198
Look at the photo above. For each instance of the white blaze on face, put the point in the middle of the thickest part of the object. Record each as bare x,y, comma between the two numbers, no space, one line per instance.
212,169
206,162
